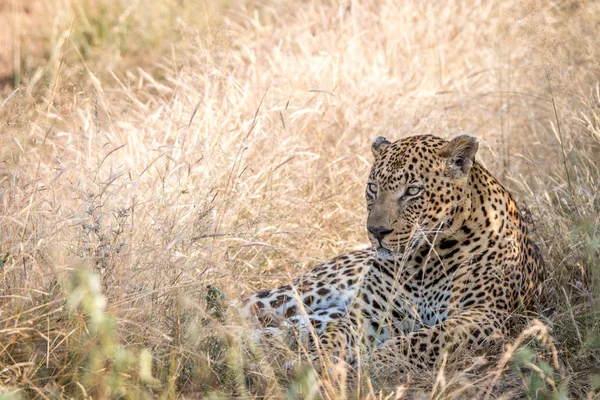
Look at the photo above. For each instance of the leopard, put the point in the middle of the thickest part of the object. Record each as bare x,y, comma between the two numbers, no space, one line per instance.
451,262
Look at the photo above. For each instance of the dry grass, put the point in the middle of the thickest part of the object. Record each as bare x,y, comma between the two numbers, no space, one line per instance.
154,148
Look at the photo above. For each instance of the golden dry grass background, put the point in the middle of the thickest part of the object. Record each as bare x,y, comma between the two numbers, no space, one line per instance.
149,149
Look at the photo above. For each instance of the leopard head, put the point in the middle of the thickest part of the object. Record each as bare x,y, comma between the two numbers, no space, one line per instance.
418,191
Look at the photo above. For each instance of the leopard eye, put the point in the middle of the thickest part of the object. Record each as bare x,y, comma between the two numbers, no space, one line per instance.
372,187
412,191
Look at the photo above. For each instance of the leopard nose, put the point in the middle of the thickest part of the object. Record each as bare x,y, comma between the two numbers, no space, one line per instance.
379,232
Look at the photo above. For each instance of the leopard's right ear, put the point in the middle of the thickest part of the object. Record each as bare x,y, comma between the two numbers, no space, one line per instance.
460,154
378,145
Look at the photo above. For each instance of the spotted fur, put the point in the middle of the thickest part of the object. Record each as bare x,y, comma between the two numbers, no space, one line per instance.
451,261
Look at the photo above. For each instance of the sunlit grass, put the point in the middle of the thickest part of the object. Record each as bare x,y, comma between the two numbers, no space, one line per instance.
155,148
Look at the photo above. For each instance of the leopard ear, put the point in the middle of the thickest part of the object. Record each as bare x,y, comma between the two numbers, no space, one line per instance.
378,145
460,154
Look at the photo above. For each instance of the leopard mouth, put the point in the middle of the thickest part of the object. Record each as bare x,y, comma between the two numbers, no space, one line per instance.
387,254
398,250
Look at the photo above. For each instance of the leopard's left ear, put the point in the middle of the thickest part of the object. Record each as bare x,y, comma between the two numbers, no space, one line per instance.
379,143
460,153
